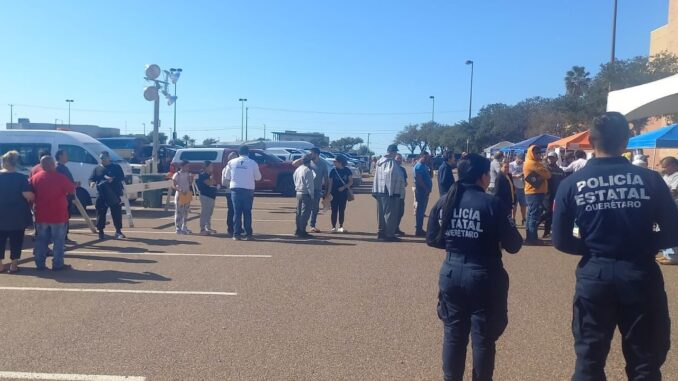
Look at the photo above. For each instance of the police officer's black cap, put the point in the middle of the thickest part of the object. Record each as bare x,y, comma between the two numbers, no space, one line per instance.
392,148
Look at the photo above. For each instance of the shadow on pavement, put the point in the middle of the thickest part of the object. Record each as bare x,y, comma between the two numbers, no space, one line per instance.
94,277
96,257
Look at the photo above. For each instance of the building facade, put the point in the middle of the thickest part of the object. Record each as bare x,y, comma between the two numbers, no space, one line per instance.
87,129
316,138
665,38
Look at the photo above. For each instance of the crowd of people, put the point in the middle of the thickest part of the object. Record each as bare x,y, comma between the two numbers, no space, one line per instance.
43,199
624,213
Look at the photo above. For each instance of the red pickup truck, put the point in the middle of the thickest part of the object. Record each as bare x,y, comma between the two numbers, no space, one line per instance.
276,175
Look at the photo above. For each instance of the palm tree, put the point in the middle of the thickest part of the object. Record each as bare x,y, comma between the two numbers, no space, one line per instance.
577,81
186,139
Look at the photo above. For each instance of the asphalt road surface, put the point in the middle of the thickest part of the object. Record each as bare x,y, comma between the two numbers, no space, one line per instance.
161,306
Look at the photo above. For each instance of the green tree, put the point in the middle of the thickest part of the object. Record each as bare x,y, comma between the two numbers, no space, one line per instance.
364,151
409,137
345,144
162,138
186,139
577,81
210,141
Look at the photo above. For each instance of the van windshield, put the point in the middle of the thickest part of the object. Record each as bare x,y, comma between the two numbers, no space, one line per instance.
97,148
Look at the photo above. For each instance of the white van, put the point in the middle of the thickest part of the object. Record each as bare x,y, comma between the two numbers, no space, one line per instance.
83,155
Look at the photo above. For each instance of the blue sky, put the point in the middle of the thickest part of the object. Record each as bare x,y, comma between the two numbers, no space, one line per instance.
345,68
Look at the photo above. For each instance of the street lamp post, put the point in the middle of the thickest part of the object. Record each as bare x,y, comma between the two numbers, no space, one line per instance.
174,77
247,122
11,115
614,32
470,97
433,108
69,101
152,94
242,116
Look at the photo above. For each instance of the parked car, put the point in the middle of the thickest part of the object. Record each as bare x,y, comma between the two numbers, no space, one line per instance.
357,175
286,154
276,175
83,155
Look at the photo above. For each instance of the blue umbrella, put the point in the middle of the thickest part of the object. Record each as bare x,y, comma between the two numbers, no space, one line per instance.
542,141
665,137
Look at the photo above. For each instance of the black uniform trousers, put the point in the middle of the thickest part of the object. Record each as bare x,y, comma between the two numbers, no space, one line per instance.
472,299
614,293
116,213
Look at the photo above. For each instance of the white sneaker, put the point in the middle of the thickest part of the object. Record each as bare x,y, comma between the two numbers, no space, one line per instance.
342,230
333,230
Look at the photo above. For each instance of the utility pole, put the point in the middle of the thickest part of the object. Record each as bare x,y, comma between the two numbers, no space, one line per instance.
242,116
368,140
11,115
614,32
247,119
433,108
264,132
69,101
470,97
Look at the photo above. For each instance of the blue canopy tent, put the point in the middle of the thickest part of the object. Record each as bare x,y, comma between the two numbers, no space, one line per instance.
665,137
542,141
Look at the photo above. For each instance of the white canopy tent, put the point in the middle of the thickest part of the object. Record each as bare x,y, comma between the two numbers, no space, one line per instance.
491,150
651,99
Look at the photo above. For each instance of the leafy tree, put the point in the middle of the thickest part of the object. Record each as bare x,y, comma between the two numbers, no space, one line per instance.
577,81
210,141
191,142
364,151
345,144
409,137
186,139
162,138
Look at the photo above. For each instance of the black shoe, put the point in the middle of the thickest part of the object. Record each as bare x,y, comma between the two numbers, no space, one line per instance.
102,236
64,267
50,253
546,235
380,237
400,232
249,238
420,233
303,235
392,239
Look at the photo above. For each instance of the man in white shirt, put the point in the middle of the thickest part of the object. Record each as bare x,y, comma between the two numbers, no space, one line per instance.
495,170
670,171
516,170
579,163
242,173
304,180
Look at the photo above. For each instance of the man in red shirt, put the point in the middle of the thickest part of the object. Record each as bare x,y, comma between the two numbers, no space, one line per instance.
51,215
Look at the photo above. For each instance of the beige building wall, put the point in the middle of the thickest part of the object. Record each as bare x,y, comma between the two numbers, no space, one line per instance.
665,38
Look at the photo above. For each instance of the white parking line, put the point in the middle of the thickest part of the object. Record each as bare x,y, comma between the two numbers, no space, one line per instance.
117,291
66,377
171,254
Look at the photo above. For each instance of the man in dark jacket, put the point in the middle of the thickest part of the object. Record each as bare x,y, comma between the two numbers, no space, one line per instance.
557,175
616,206
504,189
445,175
108,178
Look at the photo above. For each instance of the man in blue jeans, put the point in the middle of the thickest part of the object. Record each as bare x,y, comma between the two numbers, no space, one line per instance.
242,173
423,186
51,214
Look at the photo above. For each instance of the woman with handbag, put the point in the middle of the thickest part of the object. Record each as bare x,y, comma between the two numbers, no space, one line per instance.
341,180
472,226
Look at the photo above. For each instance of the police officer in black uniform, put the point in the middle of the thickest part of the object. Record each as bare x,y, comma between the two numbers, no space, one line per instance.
108,179
615,206
472,226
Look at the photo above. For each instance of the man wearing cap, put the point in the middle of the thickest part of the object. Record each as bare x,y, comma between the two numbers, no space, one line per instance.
107,178
388,183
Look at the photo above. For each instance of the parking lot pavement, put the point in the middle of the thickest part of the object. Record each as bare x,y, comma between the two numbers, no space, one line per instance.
161,306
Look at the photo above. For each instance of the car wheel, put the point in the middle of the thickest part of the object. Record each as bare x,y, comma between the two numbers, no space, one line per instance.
286,186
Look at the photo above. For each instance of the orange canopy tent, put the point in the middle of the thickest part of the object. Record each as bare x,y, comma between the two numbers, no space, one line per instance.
577,141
